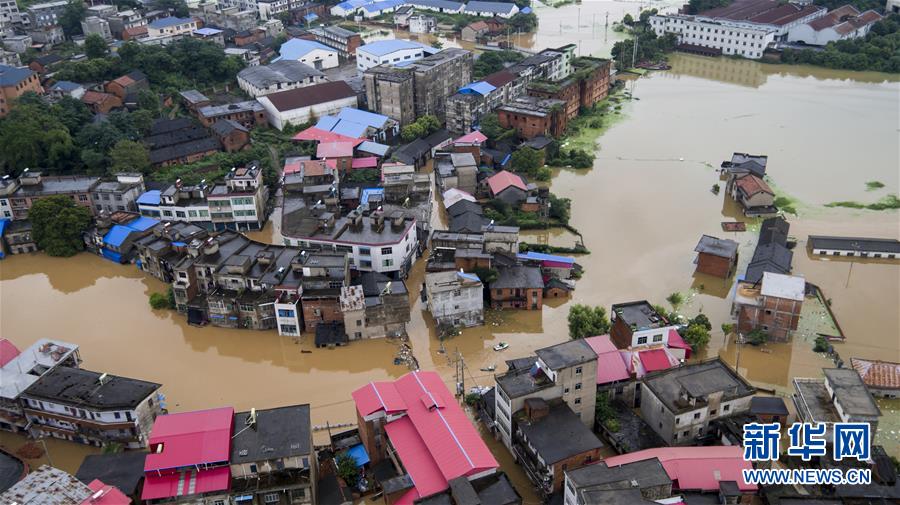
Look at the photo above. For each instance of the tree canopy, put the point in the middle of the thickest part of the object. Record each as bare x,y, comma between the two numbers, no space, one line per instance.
421,127
879,50
129,156
695,6
494,61
71,17
58,224
586,321
95,46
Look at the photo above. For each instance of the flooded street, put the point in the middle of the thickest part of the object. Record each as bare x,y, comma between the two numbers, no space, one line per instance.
640,209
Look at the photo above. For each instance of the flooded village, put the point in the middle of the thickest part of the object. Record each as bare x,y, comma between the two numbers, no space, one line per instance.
364,323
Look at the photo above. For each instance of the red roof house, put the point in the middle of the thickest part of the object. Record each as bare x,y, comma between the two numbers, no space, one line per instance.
654,360
8,351
475,138
503,180
320,135
676,342
334,150
695,468
189,454
431,435
610,365
103,494
881,377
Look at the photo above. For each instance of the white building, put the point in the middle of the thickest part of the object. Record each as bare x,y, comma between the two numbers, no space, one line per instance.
744,28
97,25
287,313
241,203
422,24
491,9
892,6
9,15
279,76
92,408
46,14
315,54
843,23
177,203
455,298
445,6
388,51
298,106
171,27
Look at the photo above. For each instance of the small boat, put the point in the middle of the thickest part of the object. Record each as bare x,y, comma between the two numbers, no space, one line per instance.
501,346
489,368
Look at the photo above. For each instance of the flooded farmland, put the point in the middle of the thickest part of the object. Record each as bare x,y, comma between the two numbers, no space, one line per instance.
641,210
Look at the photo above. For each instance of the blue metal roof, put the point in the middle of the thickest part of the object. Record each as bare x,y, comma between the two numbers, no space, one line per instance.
10,76
526,10
207,31
471,277
295,49
362,117
312,16
480,87
142,223
374,148
382,6
350,129
327,123
346,6
170,21
66,86
149,198
385,47
117,235
437,4
531,255
492,7
366,193
359,454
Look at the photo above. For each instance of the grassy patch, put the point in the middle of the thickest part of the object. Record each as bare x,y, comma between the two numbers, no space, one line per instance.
889,202
873,185
584,130
786,204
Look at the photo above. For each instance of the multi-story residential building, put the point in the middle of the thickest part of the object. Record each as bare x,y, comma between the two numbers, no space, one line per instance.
586,87
272,457
518,287
415,423
841,397
249,114
773,306
391,91
374,306
279,76
171,27
474,100
46,14
9,16
386,52
9,58
93,25
30,187
324,275
643,481
239,204
20,370
637,324
679,403
533,117
178,202
14,82
567,370
118,195
102,10
92,408
126,20
375,242
345,41
744,28
455,299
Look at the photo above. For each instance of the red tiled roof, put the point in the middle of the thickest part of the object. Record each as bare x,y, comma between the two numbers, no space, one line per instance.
654,360
105,495
856,23
92,97
368,162
8,351
833,17
312,168
610,365
124,80
435,440
762,11
320,135
878,374
478,25
334,149
190,438
504,179
476,137
751,185
695,468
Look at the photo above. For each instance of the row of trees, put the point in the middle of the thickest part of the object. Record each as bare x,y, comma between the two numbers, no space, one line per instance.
878,51
421,127
494,61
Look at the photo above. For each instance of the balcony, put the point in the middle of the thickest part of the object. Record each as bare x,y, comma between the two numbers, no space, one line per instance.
537,473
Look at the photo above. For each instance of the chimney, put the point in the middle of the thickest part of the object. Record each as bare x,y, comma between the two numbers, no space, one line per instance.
536,409
211,246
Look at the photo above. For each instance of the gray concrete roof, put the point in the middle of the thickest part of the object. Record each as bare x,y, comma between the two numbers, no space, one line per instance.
282,71
698,380
851,392
559,435
566,354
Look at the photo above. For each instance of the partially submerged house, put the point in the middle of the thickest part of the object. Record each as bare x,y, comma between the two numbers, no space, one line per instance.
716,257
455,298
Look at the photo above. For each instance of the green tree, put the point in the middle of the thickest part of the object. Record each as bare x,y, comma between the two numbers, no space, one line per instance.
527,160
95,46
727,328
696,335
585,321
523,22
148,100
702,320
490,127
628,20
71,112
71,17
421,127
644,18
487,275
675,300
756,337
58,224
560,208
178,8
30,136
159,301
129,156
347,469
603,410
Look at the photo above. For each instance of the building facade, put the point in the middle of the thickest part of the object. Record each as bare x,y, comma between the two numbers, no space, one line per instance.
455,299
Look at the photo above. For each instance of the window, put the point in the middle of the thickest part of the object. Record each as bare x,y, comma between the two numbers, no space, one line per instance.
726,408
657,338
578,370
117,415
179,213
387,263
577,401
270,498
642,340
578,386
677,421
386,250
285,313
253,468
82,198
696,415
219,502
685,433
712,412
365,251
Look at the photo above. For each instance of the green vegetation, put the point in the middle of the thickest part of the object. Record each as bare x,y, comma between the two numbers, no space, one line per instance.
58,224
862,5
821,345
757,337
786,204
612,425
159,301
552,249
889,202
490,127
586,321
575,158
35,134
530,162
421,127
472,399
215,167
603,410
649,46
364,175
71,17
873,185
878,51
675,300
346,469
696,335
493,61
523,23
560,208
695,6
487,275
95,46
727,328
184,64
129,156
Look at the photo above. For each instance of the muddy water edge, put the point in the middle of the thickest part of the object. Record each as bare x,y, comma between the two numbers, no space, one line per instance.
641,210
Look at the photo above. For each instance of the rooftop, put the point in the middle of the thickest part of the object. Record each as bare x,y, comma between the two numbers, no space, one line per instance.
12,76
559,435
24,369
519,276
695,468
124,470
676,386
438,282
190,438
385,47
646,473
533,106
768,405
639,315
280,72
211,111
566,354
855,244
76,386
282,432
878,374
47,486
518,382
492,7
504,179
52,185
170,21
610,365
851,392
769,12
310,95
724,248
295,49
783,286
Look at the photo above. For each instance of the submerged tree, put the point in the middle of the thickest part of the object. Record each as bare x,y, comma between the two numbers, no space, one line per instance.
58,224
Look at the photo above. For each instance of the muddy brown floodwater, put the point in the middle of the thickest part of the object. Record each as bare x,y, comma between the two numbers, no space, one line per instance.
641,210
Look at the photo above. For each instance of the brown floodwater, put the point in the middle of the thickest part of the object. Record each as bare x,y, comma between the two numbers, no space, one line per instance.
640,210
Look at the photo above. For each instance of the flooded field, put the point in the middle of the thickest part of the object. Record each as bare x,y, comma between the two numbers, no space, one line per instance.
641,210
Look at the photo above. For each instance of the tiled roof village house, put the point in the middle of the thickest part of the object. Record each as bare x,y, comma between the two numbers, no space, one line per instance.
881,377
717,257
